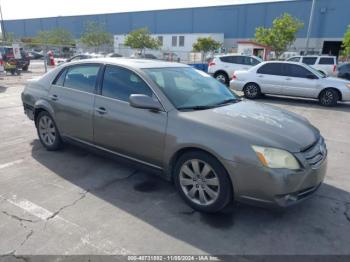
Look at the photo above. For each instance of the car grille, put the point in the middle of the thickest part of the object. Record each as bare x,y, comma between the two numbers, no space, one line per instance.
315,154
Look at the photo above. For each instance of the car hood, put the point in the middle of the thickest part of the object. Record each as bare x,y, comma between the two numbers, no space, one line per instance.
260,124
335,81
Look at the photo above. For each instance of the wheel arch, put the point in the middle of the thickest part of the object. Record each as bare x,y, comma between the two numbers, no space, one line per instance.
42,105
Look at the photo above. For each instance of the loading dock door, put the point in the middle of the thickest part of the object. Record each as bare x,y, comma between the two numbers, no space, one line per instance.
331,47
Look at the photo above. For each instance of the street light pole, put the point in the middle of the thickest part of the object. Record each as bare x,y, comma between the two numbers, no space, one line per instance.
2,25
310,26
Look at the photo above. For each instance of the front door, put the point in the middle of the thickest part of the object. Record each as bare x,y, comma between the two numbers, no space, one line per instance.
298,83
72,97
132,132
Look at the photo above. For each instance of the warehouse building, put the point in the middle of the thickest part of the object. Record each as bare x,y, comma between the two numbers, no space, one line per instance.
231,23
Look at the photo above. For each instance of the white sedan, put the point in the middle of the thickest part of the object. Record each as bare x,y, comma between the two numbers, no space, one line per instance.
290,79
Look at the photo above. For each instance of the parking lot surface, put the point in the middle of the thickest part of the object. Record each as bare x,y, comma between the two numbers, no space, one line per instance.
76,202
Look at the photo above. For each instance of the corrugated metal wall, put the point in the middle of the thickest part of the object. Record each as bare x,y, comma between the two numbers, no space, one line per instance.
235,21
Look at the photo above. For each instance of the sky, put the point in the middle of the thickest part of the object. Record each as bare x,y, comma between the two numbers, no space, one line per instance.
19,9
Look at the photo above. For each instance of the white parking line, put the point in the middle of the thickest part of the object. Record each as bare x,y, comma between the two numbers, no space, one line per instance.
11,163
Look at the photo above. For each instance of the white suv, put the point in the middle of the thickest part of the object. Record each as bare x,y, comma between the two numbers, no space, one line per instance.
222,67
327,65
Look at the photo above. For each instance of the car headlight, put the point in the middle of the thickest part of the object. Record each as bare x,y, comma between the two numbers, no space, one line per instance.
276,158
348,85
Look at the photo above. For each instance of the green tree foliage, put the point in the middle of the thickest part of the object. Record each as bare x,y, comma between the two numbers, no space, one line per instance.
281,35
141,39
57,36
95,35
205,45
346,43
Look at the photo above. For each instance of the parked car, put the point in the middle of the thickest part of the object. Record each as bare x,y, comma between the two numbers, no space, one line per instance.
33,55
327,65
290,79
114,55
222,67
142,110
7,55
143,56
344,71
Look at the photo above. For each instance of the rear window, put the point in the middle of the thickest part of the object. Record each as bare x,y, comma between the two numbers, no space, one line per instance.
309,60
232,59
271,69
326,61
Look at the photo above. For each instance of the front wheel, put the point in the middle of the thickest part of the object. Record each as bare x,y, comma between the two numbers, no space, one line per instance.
251,91
202,182
223,78
48,132
329,97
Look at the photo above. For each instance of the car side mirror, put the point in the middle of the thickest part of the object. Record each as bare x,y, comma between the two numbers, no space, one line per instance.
144,102
311,76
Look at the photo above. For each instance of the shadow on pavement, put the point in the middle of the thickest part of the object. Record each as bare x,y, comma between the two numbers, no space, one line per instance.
320,225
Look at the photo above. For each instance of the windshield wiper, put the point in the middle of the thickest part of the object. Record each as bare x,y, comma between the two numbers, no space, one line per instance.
228,101
195,107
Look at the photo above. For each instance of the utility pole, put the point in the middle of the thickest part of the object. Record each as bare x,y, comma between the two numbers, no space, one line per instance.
310,26
2,26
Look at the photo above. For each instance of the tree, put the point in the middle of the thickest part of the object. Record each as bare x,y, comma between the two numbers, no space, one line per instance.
57,36
281,35
95,35
141,39
346,43
205,45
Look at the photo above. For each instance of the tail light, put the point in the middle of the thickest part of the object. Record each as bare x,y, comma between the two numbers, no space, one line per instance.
334,68
1,63
211,64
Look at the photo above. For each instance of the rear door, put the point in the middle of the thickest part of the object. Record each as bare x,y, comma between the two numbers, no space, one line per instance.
270,78
132,132
297,83
72,97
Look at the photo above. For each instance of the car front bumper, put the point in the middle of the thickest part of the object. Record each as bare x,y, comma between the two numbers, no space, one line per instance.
264,186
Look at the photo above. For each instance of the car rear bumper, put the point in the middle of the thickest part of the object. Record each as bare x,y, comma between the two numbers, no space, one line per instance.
263,186
237,85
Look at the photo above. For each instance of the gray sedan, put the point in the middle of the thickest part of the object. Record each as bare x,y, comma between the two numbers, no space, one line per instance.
290,79
184,124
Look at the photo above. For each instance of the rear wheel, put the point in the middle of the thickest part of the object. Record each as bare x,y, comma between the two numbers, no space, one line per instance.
222,77
48,132
25,68
202,182
251,91
329,97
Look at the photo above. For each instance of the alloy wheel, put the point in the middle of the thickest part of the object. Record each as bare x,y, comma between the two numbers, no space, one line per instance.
199,182
47,130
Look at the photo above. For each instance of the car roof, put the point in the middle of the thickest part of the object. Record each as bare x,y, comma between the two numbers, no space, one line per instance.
231,54
327,56
281,62
131,62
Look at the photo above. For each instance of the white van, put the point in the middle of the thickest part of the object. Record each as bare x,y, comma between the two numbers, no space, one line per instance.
325,64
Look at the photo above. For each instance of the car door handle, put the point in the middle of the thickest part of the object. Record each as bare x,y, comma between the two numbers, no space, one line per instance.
101,110
54,97
288,78
260,76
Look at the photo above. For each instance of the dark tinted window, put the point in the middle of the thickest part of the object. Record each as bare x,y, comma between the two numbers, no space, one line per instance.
82,77
271,69
249,61
181,40
294,59
233,59
326,61
120,83
296,71
344,68
60,79
309,60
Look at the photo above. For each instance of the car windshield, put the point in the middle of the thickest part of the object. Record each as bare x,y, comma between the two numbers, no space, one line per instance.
316,72
191,89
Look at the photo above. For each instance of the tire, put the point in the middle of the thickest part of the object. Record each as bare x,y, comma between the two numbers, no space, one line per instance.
222,77
25,68
329,97
251,91
48,132
207,190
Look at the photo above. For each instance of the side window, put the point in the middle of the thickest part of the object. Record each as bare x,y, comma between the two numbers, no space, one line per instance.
60,79
119,83
326,61
271,69
226,59
250,61
309,60
82,77
294,59
296,71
